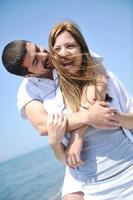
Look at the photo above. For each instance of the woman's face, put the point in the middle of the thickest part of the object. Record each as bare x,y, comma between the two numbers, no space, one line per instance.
69,51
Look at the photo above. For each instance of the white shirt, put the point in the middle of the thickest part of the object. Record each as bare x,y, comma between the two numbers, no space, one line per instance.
122,100
33,88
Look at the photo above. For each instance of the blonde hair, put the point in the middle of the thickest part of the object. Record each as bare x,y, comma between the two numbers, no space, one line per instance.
72,85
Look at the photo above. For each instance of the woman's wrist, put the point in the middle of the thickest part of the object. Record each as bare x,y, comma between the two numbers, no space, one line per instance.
55,143
59,152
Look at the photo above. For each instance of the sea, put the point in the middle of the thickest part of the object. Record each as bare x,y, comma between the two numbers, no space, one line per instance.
33,176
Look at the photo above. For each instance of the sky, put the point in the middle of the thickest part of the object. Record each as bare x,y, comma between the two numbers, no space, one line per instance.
107,27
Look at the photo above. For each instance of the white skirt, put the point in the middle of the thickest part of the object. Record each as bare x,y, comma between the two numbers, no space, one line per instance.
119,187
70,184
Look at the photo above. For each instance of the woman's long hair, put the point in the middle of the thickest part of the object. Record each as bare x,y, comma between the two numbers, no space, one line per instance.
72,84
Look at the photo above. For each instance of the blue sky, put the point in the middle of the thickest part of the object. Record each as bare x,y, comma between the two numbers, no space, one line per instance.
107,28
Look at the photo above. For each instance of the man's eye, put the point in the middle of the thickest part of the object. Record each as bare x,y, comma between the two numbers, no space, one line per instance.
35,61
38,49
45,51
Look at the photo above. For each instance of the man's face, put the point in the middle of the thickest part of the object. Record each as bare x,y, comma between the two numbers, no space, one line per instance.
37,60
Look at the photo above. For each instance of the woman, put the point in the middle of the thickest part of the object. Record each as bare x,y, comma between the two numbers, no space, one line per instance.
107,154
74,61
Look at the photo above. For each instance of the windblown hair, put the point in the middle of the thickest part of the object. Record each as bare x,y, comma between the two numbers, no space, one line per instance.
13,56
72,85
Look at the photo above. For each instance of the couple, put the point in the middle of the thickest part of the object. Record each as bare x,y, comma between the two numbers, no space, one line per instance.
99,151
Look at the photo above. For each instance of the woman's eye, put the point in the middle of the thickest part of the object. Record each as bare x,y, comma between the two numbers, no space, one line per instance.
57,49
71,46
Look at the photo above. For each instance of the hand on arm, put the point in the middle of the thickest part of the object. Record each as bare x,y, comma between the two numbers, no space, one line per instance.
100,115
56,125
37,115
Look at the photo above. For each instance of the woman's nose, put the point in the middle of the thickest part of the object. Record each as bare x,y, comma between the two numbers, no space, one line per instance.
63,52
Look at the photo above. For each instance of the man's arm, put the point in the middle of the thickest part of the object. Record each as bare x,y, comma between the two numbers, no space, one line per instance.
37,115
126,120
99,115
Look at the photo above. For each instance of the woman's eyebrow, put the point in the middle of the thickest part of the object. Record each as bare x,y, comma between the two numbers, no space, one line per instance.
67,43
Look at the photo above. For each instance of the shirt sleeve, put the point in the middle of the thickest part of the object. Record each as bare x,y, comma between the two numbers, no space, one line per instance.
125,99
26,93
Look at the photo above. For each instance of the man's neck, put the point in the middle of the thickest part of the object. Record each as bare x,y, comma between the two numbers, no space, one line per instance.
48,76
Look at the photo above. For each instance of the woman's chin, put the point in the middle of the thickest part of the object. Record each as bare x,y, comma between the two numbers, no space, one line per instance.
72,71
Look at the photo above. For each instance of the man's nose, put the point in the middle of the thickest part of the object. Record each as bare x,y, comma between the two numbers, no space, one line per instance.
42,56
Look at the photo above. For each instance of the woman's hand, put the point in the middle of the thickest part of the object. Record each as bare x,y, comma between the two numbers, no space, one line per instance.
56,124
73,151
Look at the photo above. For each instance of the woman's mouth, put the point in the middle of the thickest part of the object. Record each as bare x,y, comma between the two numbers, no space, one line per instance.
68,65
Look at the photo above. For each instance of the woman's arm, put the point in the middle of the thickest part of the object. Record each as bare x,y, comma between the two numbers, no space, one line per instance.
73,150
56,125
59,150
89,96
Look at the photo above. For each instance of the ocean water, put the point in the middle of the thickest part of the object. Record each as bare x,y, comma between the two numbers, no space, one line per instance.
34,176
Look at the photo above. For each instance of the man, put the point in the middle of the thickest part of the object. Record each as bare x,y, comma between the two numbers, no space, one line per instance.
39,86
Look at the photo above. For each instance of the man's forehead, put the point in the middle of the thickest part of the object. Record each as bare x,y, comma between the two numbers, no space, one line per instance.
35,48
30,47
30,52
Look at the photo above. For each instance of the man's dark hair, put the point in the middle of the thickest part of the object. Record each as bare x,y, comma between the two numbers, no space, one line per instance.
13,56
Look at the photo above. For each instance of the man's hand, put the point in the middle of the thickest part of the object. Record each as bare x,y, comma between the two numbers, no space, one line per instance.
100,115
